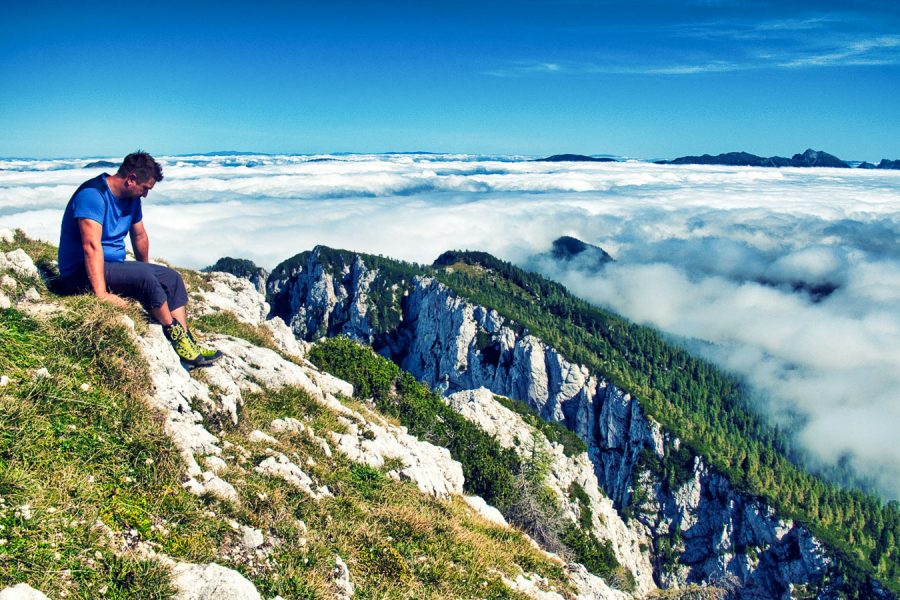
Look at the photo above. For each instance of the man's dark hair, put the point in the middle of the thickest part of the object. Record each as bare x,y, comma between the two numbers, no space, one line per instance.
142,165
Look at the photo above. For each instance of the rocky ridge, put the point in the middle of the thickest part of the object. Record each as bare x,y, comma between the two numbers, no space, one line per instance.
716,534
187,404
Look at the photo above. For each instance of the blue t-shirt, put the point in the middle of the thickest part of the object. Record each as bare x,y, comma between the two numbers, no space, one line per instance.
93,200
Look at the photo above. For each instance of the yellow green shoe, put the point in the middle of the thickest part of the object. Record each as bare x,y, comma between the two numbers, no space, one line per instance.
208,353
186,348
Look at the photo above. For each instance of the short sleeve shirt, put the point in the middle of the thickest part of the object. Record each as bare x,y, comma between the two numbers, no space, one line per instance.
93,200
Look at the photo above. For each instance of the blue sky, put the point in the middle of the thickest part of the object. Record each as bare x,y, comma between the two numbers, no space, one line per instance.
643,79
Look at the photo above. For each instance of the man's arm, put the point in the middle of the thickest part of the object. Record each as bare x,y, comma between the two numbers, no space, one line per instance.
93,260
140,242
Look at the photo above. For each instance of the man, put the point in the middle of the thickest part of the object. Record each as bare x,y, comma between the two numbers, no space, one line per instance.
99,215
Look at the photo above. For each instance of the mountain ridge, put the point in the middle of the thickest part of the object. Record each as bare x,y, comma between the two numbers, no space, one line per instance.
346,313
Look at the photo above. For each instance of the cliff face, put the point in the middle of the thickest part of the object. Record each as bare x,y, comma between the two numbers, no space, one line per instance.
701,529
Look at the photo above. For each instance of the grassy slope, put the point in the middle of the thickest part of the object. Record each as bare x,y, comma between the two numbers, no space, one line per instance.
73,457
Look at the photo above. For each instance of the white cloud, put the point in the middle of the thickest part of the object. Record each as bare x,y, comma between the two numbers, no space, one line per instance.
711,255
881,50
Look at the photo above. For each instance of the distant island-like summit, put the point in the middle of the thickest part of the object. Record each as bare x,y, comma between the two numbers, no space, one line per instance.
809,158
574,158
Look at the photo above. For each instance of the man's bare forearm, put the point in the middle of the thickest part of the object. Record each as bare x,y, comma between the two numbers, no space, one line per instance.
141,246
93,264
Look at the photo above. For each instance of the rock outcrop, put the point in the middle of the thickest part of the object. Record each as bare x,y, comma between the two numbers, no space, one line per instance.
243,268
211,582
22,591
716,533
565,472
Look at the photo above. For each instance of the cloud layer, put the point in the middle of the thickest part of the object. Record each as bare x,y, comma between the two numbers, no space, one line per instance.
788,277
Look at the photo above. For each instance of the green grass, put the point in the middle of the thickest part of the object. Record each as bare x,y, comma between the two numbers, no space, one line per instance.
76,456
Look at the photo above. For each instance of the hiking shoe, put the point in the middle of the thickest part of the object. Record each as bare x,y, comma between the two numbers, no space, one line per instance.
207,353
185,346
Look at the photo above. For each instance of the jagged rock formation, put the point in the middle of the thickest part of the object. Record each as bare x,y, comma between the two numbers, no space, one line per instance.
817,158
716,532
243,268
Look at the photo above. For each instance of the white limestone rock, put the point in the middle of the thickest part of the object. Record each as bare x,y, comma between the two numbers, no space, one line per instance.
7,282
5,302
251,538
211,582
226,292
343,586
281,467
259,437
7,235
285,340
215,464
430,467
4,381
330,384
533,586
244,364
480,505
287,424
174,393
19,263
21,591
210,484
591,587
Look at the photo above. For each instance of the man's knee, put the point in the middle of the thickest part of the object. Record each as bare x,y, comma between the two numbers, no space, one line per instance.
174,286
136,280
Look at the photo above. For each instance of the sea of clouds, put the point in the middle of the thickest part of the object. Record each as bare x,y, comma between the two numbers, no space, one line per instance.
734,263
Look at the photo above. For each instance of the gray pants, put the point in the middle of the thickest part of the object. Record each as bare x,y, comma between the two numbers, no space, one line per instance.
151,285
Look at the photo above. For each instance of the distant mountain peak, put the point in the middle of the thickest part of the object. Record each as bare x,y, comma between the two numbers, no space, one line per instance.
567,248
574,158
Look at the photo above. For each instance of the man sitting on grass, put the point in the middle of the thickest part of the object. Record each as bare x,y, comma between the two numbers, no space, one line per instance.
99,215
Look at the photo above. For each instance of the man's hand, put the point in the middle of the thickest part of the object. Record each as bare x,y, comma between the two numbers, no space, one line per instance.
115,300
